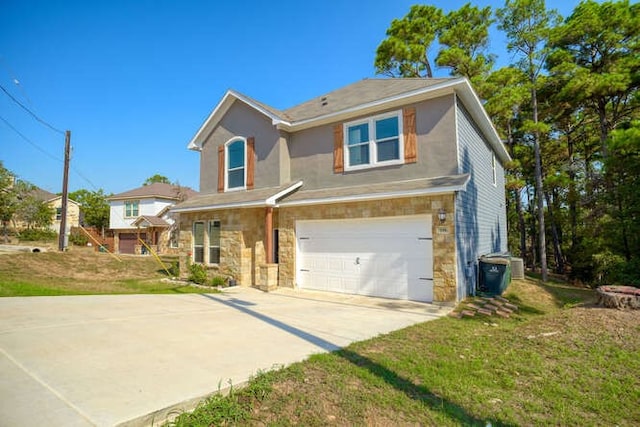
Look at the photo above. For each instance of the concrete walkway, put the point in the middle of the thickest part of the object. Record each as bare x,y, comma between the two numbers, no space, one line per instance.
131,360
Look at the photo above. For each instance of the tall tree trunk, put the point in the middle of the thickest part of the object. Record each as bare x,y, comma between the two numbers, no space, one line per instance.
522,227
521,224
572,196
538,178
623,226
557,247
532,232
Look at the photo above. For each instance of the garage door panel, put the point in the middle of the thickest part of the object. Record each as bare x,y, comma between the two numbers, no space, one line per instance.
387,257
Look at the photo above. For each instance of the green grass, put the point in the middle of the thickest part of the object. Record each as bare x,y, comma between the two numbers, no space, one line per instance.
82,272
560,361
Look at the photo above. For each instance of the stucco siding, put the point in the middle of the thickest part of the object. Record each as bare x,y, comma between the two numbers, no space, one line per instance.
242,121
311,151
480,210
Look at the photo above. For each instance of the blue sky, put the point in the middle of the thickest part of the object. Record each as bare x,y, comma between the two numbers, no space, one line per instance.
134,80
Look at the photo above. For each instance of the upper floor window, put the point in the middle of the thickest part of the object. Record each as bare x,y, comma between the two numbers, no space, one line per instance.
58,214
375,141
131,209
236,164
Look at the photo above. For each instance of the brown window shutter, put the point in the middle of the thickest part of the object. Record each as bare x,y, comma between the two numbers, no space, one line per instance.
221,169
338,149
251,161
410,138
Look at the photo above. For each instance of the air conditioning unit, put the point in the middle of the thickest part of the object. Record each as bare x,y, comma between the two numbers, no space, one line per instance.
517,268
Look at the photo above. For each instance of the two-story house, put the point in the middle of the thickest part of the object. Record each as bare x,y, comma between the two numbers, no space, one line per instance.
386,187
142,215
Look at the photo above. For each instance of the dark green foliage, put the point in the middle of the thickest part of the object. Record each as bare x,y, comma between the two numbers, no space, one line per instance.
219,281
174,269
157,178
197,274
94,206
78,238
36,234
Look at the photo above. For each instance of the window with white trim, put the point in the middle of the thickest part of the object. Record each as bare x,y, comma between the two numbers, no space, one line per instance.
58,214
198,242
214,242
375,141
131,209
236,161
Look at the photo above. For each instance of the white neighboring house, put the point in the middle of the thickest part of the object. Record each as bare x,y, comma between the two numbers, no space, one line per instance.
142,214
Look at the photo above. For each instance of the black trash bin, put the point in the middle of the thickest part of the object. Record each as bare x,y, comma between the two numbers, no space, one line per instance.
495,274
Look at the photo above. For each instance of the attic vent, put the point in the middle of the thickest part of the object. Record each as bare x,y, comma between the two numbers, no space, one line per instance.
323,101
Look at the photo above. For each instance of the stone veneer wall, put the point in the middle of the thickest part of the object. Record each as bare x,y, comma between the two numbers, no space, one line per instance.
241,241
444,251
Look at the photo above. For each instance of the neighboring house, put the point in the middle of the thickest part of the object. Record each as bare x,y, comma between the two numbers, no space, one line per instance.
55,202
386,187
142,214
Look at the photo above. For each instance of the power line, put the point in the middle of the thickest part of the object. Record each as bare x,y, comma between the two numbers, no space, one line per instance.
31,112
29,141
74,169
77,172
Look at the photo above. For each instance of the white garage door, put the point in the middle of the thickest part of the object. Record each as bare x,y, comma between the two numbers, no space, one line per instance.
384,257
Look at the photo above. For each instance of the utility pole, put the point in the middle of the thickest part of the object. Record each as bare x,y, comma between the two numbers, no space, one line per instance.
65,192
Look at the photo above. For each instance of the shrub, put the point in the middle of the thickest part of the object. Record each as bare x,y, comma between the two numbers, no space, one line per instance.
174,269
33,234
606,267
197,274
625,273
77,238
218,281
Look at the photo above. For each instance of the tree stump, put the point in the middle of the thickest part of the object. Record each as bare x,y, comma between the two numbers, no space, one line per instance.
619,297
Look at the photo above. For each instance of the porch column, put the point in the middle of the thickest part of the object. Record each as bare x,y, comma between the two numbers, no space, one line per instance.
268,234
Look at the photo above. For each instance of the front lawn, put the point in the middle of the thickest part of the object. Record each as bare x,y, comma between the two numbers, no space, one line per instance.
81,272
559,361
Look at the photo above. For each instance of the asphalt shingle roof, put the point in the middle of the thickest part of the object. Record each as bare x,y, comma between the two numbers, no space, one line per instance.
251,197
380,190
158,190
153,221
362,92
43,195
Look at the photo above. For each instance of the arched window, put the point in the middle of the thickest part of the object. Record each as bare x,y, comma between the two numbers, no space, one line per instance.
236,155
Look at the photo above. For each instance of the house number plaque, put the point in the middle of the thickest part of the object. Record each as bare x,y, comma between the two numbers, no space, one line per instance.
442,230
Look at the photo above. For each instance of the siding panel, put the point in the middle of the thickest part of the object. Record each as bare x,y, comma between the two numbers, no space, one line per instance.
481,223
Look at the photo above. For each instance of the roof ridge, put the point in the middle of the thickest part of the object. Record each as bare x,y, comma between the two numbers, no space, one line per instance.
360,93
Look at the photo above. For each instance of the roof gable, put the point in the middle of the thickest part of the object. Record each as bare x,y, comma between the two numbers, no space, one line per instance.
156,190
46,196
364,97
43,195
221,109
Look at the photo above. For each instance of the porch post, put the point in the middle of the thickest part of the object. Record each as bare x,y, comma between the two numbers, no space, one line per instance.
268,234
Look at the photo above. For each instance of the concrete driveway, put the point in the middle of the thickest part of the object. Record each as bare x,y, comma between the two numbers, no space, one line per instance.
131,360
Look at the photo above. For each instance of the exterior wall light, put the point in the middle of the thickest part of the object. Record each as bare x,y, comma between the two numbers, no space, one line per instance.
442,215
